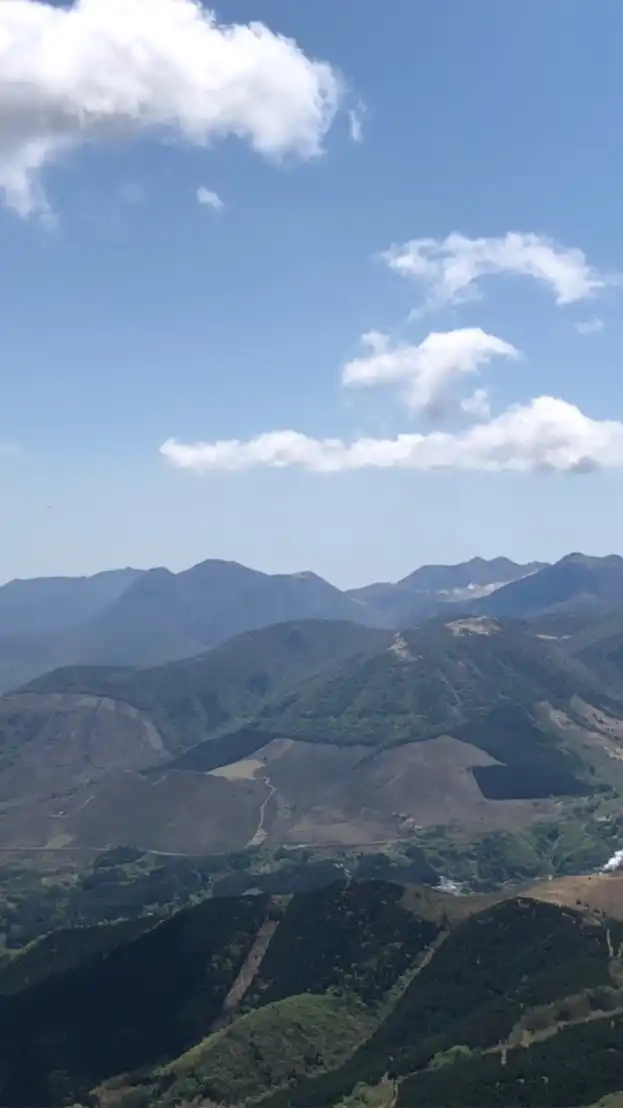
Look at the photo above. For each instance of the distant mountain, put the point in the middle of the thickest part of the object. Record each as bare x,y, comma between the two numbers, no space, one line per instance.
145,618
164,616
576,584
355,995
45,606
133,617
476,573
428,590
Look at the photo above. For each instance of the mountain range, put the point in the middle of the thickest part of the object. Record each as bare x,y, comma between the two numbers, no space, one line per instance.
463,724
135,617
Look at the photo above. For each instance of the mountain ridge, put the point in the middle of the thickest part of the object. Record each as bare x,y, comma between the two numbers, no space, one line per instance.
148,617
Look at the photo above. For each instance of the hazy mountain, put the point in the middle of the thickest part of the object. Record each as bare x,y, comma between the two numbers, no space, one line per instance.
44,606
478,572
131,617
143,618
428,590
576,584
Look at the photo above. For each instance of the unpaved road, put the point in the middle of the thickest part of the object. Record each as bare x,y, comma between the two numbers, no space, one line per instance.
260,834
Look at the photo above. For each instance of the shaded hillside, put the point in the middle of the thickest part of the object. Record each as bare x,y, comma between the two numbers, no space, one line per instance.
599,645
374,941
508,972
190,699
146,999
357,988
154,997
576,584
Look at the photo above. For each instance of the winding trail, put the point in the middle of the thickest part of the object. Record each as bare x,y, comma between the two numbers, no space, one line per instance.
261,833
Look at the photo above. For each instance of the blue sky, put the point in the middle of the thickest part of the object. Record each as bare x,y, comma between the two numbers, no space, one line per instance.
135,316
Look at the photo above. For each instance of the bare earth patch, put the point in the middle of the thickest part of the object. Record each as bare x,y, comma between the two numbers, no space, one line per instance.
355,795
481,625
595,892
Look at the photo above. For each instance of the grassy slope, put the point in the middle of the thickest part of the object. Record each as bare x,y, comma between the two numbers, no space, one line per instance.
265,1049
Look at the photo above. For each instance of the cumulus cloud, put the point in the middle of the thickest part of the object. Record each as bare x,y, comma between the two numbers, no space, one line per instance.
589,326
545,434
209,199
450,269
426,371
113,69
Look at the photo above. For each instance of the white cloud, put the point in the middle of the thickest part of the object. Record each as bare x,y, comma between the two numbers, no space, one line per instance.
450,268
427,370
477,405
209,199
111,69
589,326
545,434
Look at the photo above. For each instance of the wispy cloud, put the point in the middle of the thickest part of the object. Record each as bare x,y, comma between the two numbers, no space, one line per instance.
589,326
355,121
109,69
209,199
449,270
546,434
